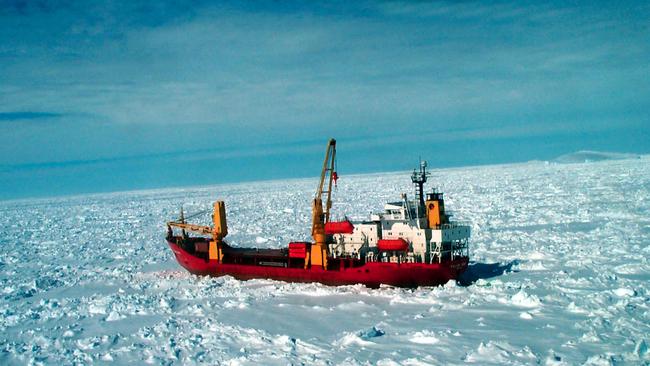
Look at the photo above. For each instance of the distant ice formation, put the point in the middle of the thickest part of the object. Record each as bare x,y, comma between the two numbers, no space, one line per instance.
585,156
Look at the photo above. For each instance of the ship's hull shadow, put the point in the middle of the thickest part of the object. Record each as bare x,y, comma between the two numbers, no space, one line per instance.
476,271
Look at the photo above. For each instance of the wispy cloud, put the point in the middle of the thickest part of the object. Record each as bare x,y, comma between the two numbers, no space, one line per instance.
21,116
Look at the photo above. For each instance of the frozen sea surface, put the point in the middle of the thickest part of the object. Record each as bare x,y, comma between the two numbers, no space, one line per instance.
559,276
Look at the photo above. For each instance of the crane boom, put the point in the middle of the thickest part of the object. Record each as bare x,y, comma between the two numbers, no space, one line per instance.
199,229
318,255
327,175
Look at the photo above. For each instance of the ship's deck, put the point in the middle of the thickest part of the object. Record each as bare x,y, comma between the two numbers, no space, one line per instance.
256,252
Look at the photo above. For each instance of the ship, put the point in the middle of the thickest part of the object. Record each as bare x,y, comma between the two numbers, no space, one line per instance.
411,243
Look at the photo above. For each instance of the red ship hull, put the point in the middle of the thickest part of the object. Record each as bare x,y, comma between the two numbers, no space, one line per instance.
371,274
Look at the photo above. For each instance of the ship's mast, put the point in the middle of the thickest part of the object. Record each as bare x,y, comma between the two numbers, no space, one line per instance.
418,179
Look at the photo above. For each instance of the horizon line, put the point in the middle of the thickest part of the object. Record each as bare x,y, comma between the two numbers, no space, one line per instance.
244,180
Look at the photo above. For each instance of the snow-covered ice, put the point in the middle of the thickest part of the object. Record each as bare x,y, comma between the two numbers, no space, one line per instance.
559,276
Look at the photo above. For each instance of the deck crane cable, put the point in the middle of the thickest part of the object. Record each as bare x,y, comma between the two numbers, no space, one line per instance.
197,214
183,217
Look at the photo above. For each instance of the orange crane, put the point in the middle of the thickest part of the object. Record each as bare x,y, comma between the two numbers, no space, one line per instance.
218,231
318,253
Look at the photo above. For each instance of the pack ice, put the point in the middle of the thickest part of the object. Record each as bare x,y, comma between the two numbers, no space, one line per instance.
559,276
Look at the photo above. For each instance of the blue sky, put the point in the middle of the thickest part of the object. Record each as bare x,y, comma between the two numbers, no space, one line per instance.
103,96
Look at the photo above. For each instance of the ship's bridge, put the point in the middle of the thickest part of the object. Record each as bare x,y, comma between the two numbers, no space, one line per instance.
401,210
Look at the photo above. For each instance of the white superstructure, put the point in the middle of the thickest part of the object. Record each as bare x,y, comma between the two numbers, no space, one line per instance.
421,224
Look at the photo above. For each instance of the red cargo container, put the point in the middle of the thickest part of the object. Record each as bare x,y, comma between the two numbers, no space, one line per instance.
298,249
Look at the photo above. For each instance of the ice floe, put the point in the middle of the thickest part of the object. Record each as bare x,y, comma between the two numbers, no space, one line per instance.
560,275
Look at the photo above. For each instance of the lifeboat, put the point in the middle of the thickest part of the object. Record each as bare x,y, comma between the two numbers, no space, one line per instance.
339,227
386,245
